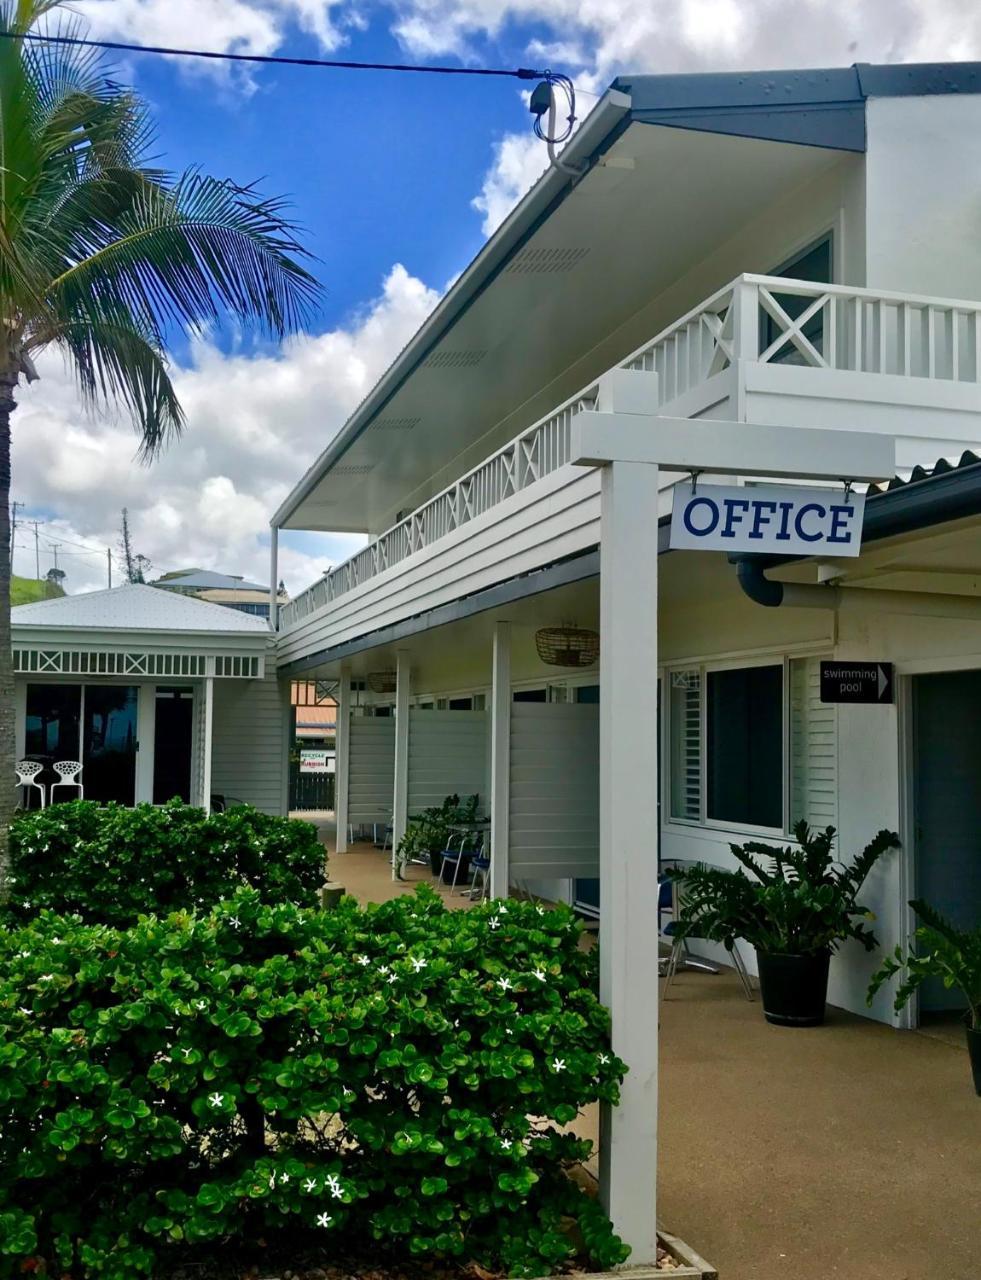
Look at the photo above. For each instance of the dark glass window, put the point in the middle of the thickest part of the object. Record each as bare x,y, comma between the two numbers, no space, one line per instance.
531,695
460,704
53,713
744,759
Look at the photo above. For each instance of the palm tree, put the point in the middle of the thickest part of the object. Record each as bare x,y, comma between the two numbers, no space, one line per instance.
102,253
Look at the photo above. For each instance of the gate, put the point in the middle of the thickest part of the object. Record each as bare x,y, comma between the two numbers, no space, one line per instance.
310,792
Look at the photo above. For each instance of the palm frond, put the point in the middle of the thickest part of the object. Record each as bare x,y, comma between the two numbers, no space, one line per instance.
188,254
117,361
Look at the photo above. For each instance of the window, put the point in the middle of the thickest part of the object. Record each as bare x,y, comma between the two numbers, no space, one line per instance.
531,695
815,263
749,746
54,713
744,746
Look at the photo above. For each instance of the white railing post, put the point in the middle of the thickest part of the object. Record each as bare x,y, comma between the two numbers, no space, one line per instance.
745,309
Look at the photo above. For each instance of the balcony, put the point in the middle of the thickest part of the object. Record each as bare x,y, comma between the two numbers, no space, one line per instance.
763,349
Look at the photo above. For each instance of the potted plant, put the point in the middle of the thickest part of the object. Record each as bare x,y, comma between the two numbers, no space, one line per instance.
940,950
795,908
428,833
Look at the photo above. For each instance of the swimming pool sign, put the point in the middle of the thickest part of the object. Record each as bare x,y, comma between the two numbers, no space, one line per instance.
766,519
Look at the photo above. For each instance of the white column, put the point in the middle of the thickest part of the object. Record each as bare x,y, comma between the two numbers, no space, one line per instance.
146,720
209,733
500,760
628,844
342,760
273,576
400,807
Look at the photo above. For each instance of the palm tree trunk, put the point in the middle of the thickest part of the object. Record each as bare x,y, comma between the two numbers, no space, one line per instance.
8,792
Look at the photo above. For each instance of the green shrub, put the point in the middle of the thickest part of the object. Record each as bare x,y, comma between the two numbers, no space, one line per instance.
266,1072
110,864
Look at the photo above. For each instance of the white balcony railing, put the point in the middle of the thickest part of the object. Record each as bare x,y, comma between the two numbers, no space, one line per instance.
534,454
759,319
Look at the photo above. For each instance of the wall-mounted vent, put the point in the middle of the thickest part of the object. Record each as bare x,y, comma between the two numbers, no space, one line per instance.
539,262
353,469
454,359
396,424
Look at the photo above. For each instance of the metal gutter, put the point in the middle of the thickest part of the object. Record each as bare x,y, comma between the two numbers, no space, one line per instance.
943,496
598,132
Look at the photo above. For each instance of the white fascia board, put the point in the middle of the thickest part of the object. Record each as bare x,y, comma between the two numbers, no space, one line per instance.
600,122
141,641
734,448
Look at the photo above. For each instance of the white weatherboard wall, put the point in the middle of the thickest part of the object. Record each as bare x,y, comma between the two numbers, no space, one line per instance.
447,755
371,770
249,744
554,792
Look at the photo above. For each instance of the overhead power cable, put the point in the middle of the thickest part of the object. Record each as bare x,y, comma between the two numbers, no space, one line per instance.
336,64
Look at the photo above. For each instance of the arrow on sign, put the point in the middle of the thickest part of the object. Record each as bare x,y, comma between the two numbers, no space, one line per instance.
883,681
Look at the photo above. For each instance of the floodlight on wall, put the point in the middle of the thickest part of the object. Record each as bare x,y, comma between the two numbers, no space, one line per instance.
567,646
382,681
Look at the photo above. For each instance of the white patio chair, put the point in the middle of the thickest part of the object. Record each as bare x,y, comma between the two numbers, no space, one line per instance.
27,771
69,775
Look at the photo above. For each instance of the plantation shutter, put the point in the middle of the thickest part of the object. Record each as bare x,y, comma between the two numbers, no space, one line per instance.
813,748
686,745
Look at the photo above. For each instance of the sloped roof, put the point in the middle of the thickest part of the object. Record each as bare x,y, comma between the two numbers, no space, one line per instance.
942,467
134,607
205,579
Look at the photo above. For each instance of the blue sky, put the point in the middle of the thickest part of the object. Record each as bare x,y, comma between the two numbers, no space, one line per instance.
398,179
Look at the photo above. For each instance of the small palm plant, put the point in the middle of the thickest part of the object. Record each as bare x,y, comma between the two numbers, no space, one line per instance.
937,950
796,907
800,902
103,254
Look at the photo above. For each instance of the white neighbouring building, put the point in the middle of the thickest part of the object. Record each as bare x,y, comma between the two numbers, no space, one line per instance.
156,694
795,249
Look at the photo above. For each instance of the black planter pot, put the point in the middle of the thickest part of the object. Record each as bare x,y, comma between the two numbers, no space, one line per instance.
794,989
974,1049
436,861
449,870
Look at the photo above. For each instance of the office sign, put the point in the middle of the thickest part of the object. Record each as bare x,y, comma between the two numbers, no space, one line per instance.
315,762
767,519
856,682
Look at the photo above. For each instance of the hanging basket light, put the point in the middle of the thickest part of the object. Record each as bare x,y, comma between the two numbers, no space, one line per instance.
382,681
567,646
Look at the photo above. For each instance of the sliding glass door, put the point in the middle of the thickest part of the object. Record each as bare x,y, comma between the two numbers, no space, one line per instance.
93,723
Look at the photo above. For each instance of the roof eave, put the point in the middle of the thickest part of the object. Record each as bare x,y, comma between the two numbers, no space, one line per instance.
597,131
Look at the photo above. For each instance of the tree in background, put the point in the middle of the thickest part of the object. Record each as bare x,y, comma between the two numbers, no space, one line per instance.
103,253
136,566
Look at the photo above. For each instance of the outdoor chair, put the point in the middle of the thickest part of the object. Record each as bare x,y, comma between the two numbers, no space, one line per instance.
667,903
455,858
69,775
27,771
480,866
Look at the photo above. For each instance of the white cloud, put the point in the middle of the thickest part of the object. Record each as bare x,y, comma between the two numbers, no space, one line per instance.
519,160
255,423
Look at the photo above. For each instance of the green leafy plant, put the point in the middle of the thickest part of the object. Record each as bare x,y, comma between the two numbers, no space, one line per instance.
109,864
429,832
266,1072
800,901
937,950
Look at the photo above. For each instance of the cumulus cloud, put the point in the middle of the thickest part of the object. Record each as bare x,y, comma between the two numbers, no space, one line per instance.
255,423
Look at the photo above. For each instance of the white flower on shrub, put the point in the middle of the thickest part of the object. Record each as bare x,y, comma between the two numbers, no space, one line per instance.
392,977
216,1099
501,909
504,984
362,960
604,1059
334,1186
418,963
235,922
506,1144
493,923
309,1186
383,970
539,974
558,1064
324,1219
284,1178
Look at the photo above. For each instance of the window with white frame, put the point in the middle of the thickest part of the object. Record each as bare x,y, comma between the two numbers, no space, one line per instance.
751,746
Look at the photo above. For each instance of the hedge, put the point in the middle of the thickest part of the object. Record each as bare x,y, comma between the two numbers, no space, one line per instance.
109,863
266,1073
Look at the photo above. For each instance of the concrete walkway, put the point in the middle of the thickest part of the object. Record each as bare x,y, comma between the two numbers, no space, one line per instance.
849,1151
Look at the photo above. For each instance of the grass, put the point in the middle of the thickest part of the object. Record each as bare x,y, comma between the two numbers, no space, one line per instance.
28,590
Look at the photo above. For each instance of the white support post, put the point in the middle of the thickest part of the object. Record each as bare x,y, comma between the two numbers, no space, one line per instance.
273,577
400,808
500,760
342,759
628,844
209,733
